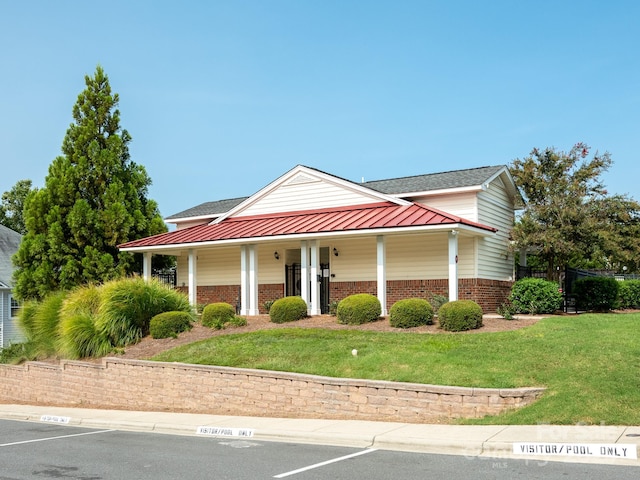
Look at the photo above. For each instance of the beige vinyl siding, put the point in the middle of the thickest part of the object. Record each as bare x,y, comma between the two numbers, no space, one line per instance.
496,209
460,204
221,266
307,196
356,261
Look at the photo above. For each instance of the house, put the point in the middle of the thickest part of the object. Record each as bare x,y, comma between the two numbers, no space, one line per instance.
9,331
436,234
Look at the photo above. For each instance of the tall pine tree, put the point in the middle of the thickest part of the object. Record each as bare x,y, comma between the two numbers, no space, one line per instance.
94,198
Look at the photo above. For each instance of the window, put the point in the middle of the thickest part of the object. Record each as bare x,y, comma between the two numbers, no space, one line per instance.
15,307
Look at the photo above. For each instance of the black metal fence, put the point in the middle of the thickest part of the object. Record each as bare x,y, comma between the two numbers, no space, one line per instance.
567,278
168,277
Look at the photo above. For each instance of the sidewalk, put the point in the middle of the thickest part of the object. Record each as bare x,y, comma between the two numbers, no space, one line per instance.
588,444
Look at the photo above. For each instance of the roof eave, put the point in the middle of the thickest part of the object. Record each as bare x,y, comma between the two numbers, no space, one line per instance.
470,229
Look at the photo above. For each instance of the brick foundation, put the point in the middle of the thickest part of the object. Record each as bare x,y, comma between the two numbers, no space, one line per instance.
156,386
489,294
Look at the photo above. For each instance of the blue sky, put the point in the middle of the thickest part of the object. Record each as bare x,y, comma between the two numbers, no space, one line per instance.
222,97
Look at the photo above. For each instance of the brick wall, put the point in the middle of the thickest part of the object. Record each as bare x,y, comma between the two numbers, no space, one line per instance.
489,294
155,386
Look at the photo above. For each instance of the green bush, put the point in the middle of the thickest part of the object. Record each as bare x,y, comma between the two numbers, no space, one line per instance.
460,315
78,336
288,309
411,312
535,295
598,294
216,315
437,300
629,294
170,324
39,322
128,306
358,309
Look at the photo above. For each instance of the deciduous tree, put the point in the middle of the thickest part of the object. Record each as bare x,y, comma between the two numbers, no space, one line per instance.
12,206
569,219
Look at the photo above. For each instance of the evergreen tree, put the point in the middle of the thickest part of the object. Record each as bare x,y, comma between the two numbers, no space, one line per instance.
94,199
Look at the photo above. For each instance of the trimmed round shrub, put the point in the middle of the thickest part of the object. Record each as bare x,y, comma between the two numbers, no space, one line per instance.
288,309
629,294
460,315
358,309
598,294
216,315
170,324
535,295
411,312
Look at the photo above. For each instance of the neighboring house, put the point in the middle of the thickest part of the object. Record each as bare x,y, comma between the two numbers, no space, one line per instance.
438,234
9,331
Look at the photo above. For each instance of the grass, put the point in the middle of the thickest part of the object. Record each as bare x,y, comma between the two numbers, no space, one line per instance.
590,364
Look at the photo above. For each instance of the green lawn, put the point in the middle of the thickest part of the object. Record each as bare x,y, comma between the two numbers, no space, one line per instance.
590,364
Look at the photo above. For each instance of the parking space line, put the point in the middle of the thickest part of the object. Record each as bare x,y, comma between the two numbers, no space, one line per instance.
322,464
54,438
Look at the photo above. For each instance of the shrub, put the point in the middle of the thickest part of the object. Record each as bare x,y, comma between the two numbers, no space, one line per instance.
411,312
506,310
460,315
128,305
437,300
216,315
288,309
170,324
596,293
629,294
39,322
78,336
358,309
535,295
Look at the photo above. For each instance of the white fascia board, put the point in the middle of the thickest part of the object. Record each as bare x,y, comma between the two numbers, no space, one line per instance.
313,173
474,231
444,191
193,219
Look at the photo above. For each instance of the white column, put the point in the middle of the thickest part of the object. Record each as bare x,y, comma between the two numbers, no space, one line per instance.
453,265
315,271
193,285
248,280
253,281
244,281
146,266
382,272
304,272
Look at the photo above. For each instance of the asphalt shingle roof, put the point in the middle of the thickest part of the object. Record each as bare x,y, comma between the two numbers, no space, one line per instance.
9,242
395,186
434,181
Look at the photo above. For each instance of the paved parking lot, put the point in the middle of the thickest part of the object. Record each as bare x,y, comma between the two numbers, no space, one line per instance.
42,450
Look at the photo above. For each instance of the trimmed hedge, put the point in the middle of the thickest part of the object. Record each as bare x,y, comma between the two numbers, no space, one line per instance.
629,294
598,294
411,312
170,324
460,315
288,309
535,295
216,315
358,309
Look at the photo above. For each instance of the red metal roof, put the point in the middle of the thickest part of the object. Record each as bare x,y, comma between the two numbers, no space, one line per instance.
359,217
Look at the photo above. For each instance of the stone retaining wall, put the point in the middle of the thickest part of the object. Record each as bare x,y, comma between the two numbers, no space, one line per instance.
157,386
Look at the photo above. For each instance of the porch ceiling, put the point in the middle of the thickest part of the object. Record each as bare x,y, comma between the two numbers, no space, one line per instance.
383,215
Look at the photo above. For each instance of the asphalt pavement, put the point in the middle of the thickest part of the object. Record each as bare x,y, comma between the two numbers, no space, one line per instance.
615,445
